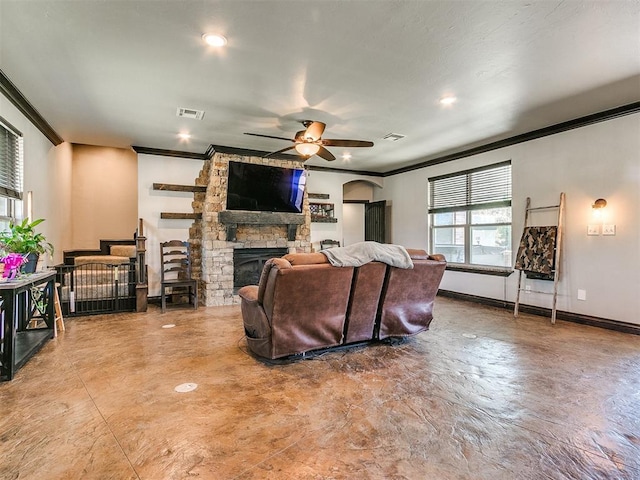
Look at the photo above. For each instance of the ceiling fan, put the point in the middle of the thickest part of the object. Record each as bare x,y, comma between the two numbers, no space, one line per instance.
309,142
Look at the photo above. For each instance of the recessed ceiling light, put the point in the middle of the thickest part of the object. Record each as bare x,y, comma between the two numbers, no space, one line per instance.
346,156
184,136
214,40
448,100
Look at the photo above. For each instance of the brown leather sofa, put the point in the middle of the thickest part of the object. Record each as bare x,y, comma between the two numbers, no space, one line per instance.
303,303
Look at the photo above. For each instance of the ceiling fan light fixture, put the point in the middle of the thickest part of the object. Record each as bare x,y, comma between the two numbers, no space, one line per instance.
307,149
214,39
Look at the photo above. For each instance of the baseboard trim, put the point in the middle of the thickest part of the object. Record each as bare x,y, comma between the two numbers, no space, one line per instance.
546,312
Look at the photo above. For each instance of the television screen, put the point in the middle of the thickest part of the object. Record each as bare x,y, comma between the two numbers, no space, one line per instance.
264,188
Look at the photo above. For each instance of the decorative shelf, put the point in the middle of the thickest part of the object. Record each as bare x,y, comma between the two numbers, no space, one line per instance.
321,219
180,188
319,196
322,213
180,216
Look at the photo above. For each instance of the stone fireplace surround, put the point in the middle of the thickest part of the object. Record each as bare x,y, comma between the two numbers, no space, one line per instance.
219,231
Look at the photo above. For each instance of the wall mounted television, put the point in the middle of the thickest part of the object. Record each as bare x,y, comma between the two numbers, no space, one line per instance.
263,188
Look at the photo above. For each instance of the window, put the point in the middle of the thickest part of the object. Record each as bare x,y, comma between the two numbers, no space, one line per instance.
470,215
10,174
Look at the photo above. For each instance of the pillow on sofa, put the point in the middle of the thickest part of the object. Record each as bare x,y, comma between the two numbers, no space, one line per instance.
305,258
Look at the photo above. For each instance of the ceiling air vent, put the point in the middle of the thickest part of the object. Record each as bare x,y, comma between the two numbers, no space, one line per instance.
190,113
393,137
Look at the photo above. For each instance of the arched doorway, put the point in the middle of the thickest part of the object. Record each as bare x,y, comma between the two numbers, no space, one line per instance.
363,218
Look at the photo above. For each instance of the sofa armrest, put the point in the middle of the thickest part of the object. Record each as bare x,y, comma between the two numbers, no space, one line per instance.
257,329
438,257
249,293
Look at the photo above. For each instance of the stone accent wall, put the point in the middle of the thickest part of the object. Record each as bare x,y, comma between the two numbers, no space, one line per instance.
213,254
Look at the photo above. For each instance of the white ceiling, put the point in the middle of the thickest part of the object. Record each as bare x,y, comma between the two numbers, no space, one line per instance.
113,72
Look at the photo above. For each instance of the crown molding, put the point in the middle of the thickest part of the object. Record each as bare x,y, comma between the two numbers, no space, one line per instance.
170,153
14,95
611,114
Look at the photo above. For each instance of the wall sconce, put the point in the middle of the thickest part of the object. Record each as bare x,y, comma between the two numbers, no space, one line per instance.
597,207
599,203
598,214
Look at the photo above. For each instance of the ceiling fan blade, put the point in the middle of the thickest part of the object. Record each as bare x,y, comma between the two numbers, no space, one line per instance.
279,151
269,136
326,154
346,143
314,130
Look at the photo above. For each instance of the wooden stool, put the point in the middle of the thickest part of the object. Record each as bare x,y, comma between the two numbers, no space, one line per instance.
58,320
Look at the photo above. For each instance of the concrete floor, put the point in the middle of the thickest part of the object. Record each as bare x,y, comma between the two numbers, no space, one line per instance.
480,396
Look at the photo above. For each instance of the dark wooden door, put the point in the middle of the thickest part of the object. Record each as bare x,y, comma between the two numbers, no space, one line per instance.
374,221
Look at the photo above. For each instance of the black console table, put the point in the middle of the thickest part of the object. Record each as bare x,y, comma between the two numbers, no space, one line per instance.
27,319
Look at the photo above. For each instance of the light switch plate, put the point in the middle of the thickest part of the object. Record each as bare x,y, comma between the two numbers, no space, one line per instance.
593,230
608,230
582,294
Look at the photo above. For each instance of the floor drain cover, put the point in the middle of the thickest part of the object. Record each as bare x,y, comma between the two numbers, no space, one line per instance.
186,387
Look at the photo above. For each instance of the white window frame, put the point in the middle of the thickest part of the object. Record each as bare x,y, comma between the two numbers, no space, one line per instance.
11,174
455,192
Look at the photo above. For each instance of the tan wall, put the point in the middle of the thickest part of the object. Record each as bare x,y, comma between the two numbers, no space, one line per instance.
104,198
358,190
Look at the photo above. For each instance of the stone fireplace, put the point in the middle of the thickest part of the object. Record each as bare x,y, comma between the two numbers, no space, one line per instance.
220,232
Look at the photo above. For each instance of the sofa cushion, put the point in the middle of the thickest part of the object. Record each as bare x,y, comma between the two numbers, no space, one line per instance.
408,297
365,296
306,307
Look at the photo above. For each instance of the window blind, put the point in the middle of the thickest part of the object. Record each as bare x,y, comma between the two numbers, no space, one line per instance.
480,188
10,161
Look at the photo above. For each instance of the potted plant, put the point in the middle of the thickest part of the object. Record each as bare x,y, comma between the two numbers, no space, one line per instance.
22,238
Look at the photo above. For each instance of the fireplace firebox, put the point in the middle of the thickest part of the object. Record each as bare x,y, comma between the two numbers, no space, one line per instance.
248,263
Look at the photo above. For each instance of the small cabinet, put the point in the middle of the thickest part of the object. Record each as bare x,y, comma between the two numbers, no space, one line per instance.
26,319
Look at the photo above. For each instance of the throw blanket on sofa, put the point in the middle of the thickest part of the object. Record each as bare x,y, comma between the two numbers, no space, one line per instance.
364,252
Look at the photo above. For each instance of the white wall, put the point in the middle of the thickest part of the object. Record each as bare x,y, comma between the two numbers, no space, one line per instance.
597,161
158,169
47,173
353,228
331,183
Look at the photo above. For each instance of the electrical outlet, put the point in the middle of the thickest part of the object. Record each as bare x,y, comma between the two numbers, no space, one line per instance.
593,230
582,294
527,289
608,229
